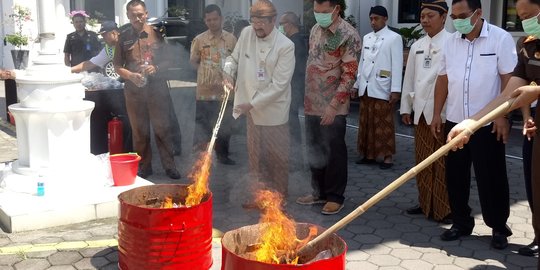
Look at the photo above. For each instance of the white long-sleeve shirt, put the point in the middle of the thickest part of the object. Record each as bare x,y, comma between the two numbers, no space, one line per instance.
421,73
264,69
381,64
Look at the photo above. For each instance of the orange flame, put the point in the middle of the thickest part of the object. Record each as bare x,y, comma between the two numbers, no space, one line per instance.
199,176
167,202
279,244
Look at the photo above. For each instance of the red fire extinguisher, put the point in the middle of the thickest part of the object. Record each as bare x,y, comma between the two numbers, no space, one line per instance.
114,136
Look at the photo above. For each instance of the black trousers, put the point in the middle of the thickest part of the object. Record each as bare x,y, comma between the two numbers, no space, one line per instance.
487,155
327,157
206,114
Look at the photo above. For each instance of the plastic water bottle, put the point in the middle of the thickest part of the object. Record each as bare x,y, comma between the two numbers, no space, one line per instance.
144,75
40,187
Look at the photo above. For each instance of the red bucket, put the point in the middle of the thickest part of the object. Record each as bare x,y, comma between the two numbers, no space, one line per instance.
124,168
234,243
155,238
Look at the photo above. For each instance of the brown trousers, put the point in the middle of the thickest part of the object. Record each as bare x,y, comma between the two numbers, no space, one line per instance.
431,182
376,137
268,154
145,106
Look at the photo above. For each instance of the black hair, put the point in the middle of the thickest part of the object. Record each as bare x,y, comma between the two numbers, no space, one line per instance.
211,8
333,3
134,3
473,4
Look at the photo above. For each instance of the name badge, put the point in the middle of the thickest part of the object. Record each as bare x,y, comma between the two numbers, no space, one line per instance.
427,62
534,63
260,74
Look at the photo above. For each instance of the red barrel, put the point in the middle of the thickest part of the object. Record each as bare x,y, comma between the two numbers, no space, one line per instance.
235,242
154,238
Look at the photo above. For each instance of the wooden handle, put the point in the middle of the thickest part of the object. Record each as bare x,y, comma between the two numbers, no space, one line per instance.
497,112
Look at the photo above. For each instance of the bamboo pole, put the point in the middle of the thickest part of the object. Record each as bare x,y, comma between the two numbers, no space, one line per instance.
497,112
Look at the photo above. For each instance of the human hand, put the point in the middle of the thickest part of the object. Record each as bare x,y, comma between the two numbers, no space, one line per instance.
137,78
525,95
406,119
529,128
354,93
228,81
501,128
463,127
436,124
329,115
7,74
148,69
243,108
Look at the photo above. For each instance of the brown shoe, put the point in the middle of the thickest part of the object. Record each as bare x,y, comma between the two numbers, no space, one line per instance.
309,200
331,208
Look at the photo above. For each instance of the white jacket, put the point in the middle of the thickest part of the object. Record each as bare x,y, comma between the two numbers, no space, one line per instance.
421,74
270,92
381,64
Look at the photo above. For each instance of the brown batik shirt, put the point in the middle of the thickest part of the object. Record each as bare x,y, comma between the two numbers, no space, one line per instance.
331,67
210,52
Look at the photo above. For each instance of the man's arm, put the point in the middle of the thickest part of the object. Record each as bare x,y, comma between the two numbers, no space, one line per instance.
408,88
100,60
195,55
440,95
84,66
67,60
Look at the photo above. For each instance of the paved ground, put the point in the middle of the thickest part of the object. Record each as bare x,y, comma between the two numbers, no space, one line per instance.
383,238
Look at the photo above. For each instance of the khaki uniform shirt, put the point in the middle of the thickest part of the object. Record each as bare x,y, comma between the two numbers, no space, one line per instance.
134,49
210,52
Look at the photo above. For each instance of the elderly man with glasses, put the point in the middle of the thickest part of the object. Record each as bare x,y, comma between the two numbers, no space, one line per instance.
262,65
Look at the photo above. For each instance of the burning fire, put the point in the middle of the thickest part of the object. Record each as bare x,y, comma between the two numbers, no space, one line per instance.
199,176
276,246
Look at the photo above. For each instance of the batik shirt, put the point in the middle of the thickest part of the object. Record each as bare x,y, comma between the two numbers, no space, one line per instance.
211,51
331,67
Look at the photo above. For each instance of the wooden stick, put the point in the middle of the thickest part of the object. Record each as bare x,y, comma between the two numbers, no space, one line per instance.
497,112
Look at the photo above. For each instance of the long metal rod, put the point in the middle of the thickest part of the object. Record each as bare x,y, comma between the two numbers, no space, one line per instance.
218,122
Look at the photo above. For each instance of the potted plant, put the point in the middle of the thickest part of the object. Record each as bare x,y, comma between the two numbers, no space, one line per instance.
19,16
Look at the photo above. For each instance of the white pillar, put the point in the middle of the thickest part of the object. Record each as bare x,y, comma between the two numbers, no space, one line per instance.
47,26
161,7
120,11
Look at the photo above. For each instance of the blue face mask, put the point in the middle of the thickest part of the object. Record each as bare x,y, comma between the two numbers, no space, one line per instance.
531,26
324,19
464,26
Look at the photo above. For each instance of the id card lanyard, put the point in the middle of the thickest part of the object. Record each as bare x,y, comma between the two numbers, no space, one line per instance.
427,57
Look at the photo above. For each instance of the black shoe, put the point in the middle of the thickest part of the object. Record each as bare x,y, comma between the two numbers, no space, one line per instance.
415,210
385,166
366,161
529,250
453,234
173,173
226,161
499,240
144,173
447,219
